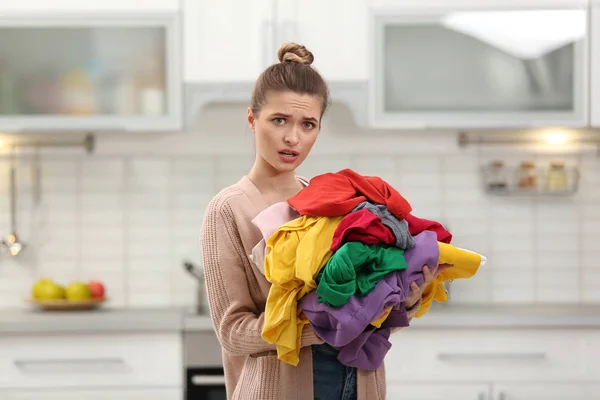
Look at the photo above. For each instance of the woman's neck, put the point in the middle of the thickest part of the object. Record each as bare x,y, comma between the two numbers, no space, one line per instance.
269,180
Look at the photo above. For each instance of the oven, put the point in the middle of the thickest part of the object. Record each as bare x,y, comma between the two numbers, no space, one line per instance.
204,377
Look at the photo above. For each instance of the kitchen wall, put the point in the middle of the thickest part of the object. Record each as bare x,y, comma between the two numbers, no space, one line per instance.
130,213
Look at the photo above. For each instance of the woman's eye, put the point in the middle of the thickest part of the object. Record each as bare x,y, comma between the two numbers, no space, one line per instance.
279,121
309,125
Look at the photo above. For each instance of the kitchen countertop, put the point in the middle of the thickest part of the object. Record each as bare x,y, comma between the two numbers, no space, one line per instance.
487,316
181,319
510,316
95,321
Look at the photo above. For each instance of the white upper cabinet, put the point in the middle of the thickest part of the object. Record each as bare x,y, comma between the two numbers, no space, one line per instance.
480,64
57,6
233,40
336,31
227,40
595,63
90,71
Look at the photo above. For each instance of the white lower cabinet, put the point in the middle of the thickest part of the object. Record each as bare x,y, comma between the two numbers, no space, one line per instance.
547,391
116,394
437,391
494,364
107,366
123,360
492,391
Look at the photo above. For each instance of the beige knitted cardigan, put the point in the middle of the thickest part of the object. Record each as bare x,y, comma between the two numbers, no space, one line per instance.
237,293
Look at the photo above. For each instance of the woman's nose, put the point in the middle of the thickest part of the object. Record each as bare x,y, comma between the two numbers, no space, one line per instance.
291,137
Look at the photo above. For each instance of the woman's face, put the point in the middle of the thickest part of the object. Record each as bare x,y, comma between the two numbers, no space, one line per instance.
286,128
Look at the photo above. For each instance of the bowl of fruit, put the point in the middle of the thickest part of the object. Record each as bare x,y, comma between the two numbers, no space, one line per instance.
50,295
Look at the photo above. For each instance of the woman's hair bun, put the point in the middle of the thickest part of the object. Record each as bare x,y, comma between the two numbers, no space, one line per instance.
294,52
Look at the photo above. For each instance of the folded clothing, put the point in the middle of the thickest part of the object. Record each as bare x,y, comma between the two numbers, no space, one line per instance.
343,324
339,326
296,252
465,264
336,194
268,221
273,217
259,252
361,226
377,322
398,227
356,268
369,349
425,252
417,225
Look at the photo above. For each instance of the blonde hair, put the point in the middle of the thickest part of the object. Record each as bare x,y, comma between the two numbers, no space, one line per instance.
293,73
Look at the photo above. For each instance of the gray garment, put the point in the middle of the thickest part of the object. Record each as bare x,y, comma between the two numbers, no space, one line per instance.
399,228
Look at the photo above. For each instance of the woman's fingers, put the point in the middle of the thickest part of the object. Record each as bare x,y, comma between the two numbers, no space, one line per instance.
414,287
444,267
429,273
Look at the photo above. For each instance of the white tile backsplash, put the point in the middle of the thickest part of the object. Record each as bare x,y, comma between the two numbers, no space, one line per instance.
131,213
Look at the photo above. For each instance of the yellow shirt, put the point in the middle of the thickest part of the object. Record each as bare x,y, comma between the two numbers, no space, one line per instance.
379,320
465,265
297,251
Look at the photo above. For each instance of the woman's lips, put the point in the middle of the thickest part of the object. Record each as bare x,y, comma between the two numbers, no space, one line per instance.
288,156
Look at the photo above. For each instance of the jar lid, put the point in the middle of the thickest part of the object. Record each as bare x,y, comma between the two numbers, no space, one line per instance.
557,164
497,163
527,164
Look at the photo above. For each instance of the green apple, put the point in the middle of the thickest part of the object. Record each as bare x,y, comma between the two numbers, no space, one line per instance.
38,287
46,289
78,291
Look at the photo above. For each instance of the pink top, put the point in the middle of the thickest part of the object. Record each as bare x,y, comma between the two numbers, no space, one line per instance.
268,221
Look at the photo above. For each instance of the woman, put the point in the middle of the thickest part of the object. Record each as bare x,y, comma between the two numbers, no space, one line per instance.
288,102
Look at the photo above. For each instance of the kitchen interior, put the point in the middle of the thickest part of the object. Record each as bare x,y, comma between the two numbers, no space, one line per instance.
119,124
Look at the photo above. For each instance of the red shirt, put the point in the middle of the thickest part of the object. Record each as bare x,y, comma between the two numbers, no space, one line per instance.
335,194
361,226
418,225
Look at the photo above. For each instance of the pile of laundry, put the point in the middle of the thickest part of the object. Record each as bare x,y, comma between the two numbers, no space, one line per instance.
341,255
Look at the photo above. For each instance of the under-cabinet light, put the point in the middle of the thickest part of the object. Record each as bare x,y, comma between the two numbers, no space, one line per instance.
556,138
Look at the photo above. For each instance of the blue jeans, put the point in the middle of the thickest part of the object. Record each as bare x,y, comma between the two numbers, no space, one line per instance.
331,379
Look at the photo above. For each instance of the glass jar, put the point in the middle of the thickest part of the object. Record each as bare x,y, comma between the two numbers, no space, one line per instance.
527,175
557,176
497,179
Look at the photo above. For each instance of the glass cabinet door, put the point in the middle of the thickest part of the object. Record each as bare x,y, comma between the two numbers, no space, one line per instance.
105,75
483,68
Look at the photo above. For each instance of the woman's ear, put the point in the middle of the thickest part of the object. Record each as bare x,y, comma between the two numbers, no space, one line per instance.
251,120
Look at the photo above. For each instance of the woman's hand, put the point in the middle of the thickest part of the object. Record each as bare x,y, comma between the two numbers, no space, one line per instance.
416,291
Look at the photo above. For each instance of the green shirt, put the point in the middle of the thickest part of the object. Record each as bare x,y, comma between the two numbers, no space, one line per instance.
355,268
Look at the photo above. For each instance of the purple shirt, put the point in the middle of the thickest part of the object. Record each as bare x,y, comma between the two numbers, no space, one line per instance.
368,350
348,326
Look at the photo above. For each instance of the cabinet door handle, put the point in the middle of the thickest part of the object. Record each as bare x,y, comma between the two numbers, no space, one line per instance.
208,380
270,35
266,42
449,357
75,365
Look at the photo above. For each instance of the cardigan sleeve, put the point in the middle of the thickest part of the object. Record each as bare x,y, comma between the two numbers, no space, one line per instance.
236,317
